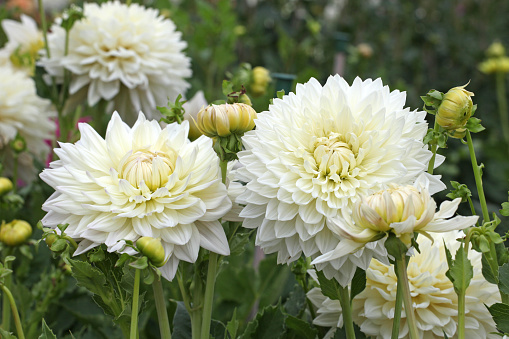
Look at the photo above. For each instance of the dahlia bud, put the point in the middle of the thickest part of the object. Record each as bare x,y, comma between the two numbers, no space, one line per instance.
5,185
455,109
224,120
152,249
495,65
365,50
458,133
18,144
260,80
50,239
15,233
495,50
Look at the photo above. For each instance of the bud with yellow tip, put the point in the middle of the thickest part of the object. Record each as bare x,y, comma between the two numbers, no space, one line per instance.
5,185
224,120
153,249
15,233
455,109
496,49
260,80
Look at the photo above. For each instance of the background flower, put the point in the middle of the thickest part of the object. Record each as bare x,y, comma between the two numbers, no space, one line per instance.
23,112
144,181
314,153
435,302
128,54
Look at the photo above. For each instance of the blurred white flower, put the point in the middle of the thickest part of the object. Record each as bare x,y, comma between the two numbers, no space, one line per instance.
23,112
314,153
144,181
128,54
435,302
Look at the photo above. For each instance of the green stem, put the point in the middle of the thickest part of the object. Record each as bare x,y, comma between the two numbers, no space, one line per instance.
346,307
461,315
162,313
6,314
434,148
502,105
134,312
472,208
15,313
224,169
15,172
407,298
209,295
397,312
44,27
478,179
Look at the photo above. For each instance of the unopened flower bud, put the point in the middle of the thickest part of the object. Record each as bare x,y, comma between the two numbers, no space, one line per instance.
365,50
494,65
18,144
455,109
50,239
260,80
5,185
458,133
496,49
153,249
244,99
224,120
15,233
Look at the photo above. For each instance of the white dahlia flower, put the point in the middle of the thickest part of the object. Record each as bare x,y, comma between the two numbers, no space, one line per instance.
434,300
128,54
23,112
312,156
144,181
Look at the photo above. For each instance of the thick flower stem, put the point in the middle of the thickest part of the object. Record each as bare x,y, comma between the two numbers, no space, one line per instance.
478,179
6,314
209,295
434,148
397,312
461,315
502,105
162,313
134,311
346,307
15,314
407,298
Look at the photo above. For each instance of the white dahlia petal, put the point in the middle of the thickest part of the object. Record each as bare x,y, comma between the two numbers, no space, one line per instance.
312,156
433,297
140,181
125,53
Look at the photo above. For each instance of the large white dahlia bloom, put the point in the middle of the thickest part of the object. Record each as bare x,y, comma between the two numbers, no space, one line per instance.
23,112
144,181
314,153
434,301
128,54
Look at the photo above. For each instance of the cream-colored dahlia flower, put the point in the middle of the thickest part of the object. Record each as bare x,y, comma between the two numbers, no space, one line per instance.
144,181
23,112
128,54
312,156
435,302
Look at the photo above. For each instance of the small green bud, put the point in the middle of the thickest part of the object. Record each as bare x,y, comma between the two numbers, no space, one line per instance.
455,109
50,239
260,79
153,249
5,185
15,233
18,144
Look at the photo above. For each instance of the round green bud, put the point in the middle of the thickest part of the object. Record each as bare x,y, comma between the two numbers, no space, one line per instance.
50,239
260,79
15,233
5,185
455,109
153,249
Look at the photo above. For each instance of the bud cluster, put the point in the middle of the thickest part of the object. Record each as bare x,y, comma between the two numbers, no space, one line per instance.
496,61
15,233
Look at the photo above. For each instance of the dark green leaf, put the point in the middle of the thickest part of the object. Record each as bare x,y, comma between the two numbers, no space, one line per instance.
487,272
296,302
88,276
358,283
268,324
181,323
299,328
239,242
500,313
232,326
461,272
330,288
47,333
503,278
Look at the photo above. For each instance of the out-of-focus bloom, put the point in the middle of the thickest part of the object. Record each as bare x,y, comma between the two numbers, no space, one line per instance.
401,210
435,302
153,249
455,109
5,185
24,40
15,233
26,6
226,119
496,49
192,108
139,182
128,54
23,112
314,153
365,50
260,79
494,65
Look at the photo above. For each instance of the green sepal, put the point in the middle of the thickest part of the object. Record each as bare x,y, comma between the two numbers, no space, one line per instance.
459,191
474,125
140,263
395,247
174,112
47,333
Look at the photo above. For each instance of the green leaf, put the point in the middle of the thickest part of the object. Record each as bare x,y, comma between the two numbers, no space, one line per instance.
7,335
461,272
503,278
474,125
330,288
358,282
450,262
299,328
88,276
487,272
47,333
500,314
268,324
96,255
502,254
239,242
280,94
181,323
459,191
232,326
59,245
296,302
227,87
395,246
140,263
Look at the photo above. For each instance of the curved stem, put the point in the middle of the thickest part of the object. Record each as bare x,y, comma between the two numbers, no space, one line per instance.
397,312
478,179
346,307
407,298
162,313
134,311
434,148
15,314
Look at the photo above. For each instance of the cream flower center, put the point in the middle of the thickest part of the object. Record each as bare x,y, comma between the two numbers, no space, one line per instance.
153,168
334,157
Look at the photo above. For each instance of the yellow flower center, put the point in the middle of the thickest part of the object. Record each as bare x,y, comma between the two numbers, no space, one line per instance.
153,168
334,157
